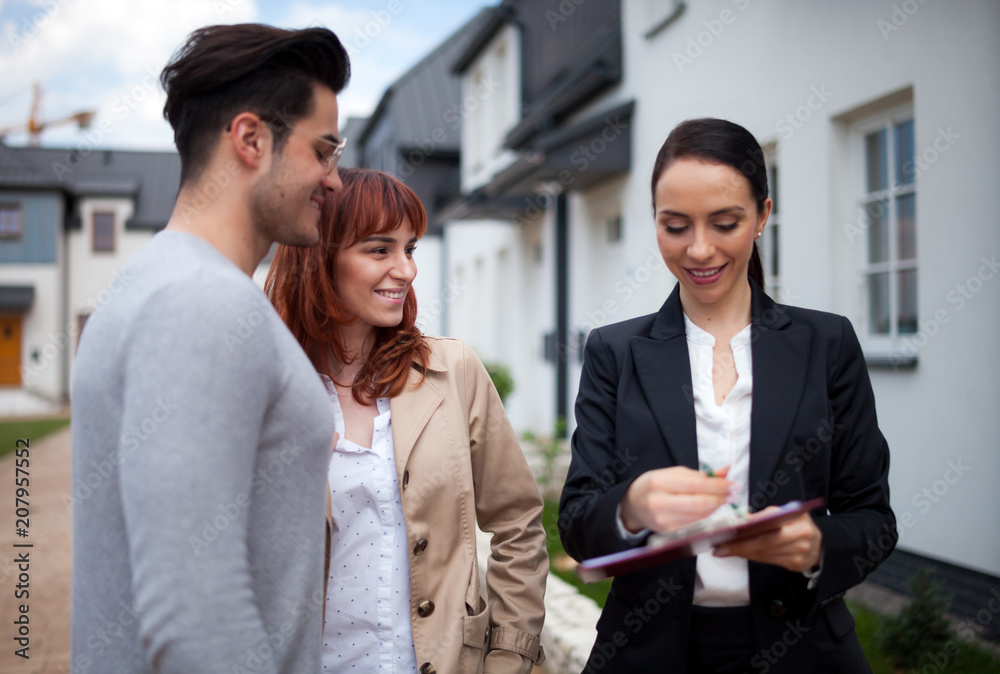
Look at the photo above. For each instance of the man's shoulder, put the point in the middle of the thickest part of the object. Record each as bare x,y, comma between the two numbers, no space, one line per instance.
189,273
181,286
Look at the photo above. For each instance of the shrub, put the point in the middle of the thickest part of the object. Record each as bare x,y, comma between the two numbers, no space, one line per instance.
921,629
502,379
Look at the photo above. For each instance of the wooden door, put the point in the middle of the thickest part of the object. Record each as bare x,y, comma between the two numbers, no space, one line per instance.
10,350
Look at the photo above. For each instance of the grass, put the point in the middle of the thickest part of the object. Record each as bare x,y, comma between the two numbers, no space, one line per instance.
33,430
969,659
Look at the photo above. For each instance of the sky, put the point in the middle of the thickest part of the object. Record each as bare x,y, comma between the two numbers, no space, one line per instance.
106,55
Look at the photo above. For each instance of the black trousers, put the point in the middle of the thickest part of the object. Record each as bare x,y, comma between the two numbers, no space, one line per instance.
721,641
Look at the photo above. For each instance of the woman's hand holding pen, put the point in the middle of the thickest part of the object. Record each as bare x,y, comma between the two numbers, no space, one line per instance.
797,545
668,498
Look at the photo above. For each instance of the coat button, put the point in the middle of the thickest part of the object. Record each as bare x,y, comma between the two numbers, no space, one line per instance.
778,608
425,608
420,546
427,668
406,481
489,631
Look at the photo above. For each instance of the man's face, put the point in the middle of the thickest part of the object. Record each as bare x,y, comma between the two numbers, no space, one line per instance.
286,201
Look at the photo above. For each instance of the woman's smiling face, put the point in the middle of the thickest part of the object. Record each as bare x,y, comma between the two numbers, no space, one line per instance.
706,223
375,274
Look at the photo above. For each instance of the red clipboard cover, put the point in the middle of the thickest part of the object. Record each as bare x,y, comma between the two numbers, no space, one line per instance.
643,557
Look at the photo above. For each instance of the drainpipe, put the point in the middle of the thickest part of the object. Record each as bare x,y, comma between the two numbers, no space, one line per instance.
562,311
446,297
68,207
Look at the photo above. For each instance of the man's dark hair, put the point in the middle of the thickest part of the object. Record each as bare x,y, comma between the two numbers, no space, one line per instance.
222,71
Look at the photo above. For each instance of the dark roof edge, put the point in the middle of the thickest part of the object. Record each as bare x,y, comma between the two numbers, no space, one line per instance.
383,103
376,115
499,17
596,120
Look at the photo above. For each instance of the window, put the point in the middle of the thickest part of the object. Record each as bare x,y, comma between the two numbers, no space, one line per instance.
11,221
770,238
489,108
615,229
889,207
104,232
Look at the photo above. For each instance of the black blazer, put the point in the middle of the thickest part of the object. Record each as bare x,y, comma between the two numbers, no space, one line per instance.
813,432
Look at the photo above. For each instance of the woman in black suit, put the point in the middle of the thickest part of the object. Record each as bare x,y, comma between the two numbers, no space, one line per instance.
772,403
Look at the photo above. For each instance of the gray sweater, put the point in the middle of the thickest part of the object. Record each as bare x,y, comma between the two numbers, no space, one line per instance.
201,439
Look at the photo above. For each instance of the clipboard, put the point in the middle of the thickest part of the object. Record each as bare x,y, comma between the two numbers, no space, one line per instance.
645,556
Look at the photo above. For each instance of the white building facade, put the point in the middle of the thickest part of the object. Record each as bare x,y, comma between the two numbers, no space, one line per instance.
879,123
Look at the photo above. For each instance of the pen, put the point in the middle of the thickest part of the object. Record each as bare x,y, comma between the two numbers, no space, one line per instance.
707,470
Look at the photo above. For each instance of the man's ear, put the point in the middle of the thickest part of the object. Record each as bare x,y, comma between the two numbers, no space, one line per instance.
251,139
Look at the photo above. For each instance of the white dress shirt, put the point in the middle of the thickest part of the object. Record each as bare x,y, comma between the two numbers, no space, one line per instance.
723,440
368,597
723,434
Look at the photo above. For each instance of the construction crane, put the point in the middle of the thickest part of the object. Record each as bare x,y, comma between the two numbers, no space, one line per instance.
36,124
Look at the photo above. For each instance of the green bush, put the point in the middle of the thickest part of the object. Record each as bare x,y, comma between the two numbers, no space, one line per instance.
921,629
502,379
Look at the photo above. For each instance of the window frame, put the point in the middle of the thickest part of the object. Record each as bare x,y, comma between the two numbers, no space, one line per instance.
17,233
877,343
114,235
770,239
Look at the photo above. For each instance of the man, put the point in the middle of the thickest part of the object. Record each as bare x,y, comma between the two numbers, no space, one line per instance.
199,425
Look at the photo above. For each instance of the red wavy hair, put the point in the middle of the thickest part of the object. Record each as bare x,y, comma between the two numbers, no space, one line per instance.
302,284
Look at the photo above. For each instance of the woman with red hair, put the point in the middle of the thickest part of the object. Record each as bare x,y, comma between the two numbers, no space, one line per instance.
425,452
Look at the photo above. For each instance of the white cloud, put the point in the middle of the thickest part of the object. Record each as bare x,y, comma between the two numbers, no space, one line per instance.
97,55
103,55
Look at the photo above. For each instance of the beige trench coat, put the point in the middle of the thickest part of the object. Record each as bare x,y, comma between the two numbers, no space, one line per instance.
458,462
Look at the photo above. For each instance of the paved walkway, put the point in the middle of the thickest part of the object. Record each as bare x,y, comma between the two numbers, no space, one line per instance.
16,403
50,562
